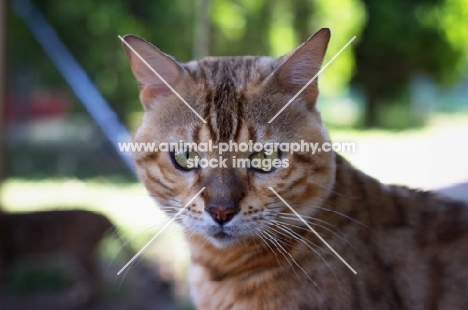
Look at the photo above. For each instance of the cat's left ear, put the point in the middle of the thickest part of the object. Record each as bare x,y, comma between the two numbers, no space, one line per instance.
298,67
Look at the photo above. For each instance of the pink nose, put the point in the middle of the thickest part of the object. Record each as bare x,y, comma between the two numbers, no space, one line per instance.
221,215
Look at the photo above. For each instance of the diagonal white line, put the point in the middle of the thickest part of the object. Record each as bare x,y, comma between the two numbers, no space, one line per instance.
313,230
159,232
312,79
163,80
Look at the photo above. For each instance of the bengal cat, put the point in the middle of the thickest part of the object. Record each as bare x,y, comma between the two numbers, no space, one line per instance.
248,250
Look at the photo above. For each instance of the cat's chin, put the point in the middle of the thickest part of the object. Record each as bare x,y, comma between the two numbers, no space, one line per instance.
222,239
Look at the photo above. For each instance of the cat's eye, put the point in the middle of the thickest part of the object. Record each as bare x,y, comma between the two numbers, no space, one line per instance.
186,159
265,161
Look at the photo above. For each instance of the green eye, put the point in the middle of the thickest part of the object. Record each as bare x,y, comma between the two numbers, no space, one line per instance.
264,161
186,159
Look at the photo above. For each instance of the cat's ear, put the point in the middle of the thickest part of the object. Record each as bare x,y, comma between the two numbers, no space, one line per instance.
151,86
298,67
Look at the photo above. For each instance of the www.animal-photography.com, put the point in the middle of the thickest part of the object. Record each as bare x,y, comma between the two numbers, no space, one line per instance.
233,154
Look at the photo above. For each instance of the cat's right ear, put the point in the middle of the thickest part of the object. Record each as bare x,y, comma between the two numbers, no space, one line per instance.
147,62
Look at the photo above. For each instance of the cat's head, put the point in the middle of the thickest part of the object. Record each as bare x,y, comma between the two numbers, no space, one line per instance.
236,97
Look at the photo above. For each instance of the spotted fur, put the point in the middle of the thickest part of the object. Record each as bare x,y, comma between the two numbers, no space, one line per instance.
409,248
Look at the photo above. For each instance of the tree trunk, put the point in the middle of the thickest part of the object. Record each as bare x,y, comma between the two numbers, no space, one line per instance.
302,10
201,35
371,111
3,97
258,27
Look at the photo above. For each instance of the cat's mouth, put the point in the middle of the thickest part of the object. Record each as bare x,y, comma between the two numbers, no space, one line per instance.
222,239
221,235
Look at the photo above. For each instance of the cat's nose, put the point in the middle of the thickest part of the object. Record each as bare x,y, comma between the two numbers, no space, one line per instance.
221,215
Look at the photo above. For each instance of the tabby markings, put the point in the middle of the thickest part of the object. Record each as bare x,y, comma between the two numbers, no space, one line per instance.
163,80
201,118
313,230
311,80
159,232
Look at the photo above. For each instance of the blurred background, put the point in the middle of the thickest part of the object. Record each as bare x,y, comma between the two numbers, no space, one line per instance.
399,92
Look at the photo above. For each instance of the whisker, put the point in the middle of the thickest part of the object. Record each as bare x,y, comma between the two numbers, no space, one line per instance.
274,208
276,201
308,217
264,241
321,226
125,243
295,262
309,245
177,229
174,231
124,276
336,212
277,245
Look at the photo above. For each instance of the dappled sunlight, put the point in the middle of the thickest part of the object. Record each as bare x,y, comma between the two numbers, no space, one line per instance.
429,158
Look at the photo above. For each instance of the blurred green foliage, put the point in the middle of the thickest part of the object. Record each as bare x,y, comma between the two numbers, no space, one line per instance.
404,38
395,40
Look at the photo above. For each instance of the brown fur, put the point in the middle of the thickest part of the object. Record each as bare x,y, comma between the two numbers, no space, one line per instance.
409,248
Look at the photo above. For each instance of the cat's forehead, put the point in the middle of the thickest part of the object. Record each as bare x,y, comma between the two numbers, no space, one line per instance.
231,97
239,70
